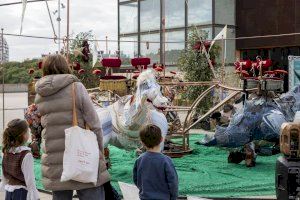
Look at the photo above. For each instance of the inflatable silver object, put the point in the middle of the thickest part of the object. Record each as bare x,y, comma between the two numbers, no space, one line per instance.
259,119
121,121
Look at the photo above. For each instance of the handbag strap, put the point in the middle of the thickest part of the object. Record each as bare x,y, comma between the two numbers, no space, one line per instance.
75,120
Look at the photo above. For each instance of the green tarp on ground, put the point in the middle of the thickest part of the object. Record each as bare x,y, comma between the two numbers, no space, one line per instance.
204,173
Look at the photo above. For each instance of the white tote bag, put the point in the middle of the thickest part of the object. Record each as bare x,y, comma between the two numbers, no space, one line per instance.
81,156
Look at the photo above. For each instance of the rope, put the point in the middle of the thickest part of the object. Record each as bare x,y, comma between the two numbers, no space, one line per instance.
128,41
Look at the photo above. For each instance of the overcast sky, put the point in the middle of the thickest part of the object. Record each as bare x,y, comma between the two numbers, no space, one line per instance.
100,16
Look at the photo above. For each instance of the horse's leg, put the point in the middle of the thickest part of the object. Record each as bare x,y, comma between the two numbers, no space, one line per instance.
106,126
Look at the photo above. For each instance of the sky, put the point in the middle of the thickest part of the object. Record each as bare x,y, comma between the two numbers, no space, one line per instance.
100,16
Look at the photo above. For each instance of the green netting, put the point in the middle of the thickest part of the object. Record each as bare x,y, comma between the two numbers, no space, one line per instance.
204,173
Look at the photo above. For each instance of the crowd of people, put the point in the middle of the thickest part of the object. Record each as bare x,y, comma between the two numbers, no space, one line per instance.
153,172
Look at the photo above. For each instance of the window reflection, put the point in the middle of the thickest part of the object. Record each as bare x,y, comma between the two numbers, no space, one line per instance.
173,50
225,12
151,50
150,15
128,17
199,12
175,10
128,49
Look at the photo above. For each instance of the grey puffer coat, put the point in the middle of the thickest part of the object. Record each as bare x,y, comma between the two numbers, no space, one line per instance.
54,102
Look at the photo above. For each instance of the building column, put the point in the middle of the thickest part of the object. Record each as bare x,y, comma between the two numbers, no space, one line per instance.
119,26
139,28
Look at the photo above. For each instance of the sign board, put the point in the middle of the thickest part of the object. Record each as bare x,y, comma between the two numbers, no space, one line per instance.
294,71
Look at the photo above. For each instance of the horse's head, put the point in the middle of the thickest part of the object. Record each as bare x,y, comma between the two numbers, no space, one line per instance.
147,87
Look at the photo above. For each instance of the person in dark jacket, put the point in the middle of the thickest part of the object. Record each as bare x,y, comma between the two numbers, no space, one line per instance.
154,173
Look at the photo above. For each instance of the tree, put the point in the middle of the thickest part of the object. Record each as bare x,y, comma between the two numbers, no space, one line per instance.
195,66
17,72
88,78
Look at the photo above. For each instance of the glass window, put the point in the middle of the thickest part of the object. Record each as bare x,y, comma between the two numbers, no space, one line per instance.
126,0
230,45
128,18
175,11
199,12
128,49
150,15
225,12
173,50
149,49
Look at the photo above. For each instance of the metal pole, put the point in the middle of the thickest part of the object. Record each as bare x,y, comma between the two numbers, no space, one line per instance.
106,45
58,21
164,36
2,62
68,29
15,3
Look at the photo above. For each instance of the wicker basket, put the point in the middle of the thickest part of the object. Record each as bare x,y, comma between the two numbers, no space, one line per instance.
251,83
272,85
31,87
117,84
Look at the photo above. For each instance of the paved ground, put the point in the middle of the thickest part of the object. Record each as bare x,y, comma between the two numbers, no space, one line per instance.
44,196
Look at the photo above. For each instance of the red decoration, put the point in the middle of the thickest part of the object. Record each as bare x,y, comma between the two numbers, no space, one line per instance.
173,72
113,77
81,71
213,62
144,62
76,66
97,72
264,63
158,69
111,62
85,51
206,44
244,64
267,63
197,46
31,71
40,65
280,71
269,72
158,65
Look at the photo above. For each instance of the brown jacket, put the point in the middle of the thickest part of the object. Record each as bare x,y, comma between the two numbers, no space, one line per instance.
54,102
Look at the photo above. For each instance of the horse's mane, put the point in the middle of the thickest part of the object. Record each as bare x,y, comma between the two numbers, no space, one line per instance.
146,75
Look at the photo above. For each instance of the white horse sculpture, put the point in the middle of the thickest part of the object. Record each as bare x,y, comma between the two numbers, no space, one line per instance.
122,120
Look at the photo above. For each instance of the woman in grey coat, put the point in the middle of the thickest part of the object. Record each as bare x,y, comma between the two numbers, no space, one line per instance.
54,102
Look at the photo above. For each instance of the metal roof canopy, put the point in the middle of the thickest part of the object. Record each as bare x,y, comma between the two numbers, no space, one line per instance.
19,2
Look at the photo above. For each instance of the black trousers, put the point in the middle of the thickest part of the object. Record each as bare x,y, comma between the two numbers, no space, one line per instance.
19,194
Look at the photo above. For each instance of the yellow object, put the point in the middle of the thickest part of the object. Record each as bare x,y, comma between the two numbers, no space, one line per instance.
290,139
119,86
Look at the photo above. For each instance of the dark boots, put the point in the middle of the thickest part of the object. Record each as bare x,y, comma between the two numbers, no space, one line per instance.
247,153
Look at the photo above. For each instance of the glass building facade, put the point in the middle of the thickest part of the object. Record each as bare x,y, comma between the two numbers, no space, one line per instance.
142,21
